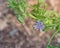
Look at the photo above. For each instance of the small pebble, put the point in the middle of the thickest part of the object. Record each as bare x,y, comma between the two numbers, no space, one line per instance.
13,32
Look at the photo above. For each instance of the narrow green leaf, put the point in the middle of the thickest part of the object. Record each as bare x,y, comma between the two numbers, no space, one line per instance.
40,1
20,19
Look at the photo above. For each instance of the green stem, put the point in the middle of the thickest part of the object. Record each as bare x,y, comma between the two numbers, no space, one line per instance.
51,38
38,6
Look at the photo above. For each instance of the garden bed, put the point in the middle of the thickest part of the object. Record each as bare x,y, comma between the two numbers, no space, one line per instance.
14,35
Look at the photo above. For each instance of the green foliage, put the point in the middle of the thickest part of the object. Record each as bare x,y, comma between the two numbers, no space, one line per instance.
20,19
50,19
19,7
40,1
53,46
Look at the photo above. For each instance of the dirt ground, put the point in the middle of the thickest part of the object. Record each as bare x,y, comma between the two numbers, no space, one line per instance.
13,34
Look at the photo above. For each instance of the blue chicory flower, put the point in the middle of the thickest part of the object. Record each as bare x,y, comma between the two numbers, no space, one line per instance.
39,26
